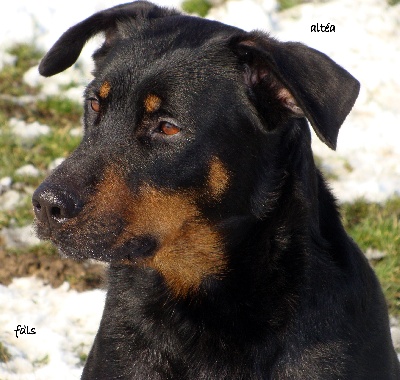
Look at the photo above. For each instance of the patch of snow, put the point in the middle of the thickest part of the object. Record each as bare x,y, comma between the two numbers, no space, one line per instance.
64,321
5,184
77,132
10,200
28,171
53,164
19,237
6,59
395,330
28,130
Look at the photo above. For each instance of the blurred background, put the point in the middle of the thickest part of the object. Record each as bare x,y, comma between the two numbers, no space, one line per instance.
40,124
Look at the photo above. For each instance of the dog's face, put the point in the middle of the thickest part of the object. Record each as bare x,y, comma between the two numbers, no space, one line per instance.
183,118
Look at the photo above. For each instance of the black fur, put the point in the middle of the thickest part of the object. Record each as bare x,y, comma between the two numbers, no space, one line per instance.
291,296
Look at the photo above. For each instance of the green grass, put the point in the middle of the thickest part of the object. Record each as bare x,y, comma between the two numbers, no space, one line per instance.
42,361
5,356
11,81
286,4
44,248
19,216
374,225
81,351
54,111
199,7
59,111
62,115
16,152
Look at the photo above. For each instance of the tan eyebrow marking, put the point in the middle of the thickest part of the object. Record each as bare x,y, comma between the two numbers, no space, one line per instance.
105,89
152,103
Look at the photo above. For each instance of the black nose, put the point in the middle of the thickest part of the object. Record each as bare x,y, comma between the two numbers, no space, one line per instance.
54,205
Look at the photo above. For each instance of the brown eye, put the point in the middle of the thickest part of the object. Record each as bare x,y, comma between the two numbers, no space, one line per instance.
95,105
168,128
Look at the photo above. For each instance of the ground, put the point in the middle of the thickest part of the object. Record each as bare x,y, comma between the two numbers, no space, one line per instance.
53,269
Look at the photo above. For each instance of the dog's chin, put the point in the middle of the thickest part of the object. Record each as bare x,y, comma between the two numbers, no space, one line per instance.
132,251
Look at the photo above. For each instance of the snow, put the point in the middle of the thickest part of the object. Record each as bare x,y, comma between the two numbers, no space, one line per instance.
65,323
27,130
366,42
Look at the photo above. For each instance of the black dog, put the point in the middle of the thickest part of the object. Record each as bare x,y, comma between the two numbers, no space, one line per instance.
195,180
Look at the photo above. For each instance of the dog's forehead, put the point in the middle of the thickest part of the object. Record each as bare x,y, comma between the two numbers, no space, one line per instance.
181,31
164,39
162,59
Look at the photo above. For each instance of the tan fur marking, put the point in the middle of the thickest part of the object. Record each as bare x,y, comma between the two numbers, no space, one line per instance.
105,89
152,103
190,250
187,258
218,178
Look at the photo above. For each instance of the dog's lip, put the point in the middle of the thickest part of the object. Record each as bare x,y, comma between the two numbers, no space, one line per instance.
42,230
102,248
133,250
136,248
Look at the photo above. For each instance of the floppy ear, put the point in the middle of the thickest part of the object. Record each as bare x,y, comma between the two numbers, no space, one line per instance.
66,50
308,82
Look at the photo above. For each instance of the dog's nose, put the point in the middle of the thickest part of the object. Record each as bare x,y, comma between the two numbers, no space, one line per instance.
55,206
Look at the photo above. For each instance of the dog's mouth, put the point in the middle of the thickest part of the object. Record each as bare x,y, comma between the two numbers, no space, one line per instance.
94,242
149,226
131,252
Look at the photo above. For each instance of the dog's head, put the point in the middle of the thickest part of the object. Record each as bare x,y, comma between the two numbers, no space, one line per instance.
183,118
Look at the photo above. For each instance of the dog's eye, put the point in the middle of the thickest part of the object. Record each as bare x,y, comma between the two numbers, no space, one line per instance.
168,129
95,105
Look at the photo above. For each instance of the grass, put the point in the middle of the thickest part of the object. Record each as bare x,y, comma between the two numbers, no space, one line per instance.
62,115
286,4
81,351
45,248
374,225
199,7
20,216
5,356
11,82
42,361
15,152
202,7
54,111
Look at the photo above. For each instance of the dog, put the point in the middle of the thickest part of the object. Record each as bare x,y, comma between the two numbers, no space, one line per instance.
195,182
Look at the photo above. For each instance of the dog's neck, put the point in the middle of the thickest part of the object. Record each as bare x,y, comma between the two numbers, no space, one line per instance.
282,235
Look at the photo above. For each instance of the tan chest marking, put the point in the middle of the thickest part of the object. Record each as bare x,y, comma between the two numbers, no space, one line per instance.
189,250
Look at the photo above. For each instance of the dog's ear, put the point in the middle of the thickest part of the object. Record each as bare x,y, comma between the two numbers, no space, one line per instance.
67,49
308,83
